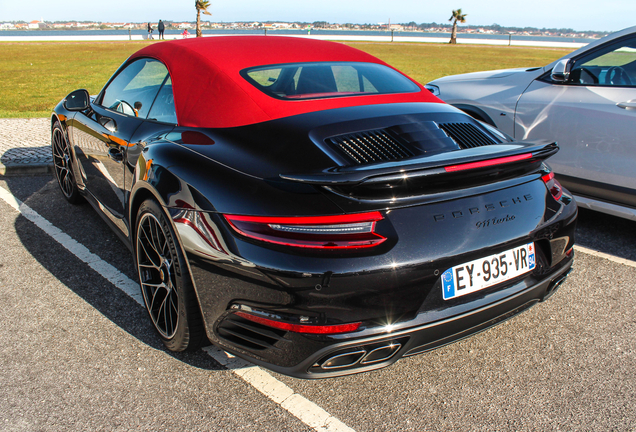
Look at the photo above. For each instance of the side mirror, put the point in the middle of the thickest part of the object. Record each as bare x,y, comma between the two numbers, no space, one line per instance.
561,71
79,100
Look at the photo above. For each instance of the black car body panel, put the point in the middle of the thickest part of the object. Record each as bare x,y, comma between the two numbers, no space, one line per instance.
440,189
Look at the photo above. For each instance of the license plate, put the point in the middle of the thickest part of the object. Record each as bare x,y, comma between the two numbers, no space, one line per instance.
488,271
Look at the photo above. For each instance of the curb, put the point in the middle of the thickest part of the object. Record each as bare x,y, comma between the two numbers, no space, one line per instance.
15,170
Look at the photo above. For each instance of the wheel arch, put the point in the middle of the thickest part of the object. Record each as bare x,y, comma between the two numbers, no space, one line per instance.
476,113
61,119
141,193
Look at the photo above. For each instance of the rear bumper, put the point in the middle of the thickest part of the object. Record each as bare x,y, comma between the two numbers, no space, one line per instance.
375,352
394,292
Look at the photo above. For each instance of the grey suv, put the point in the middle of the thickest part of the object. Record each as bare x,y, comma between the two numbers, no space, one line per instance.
586,101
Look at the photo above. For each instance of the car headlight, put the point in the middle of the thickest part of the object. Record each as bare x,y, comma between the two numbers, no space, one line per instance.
433,89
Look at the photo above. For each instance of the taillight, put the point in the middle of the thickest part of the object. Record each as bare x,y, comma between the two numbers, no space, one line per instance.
553,185
301,328
321,232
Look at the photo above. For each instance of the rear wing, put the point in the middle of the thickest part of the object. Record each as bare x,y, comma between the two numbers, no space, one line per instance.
492,161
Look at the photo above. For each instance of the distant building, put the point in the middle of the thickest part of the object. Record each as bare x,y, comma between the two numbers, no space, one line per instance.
34,25
7,26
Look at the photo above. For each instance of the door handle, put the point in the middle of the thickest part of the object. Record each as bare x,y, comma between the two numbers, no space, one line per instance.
116,155
108,123
627,105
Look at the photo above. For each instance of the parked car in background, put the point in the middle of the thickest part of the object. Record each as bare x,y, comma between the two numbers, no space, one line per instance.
586,101
304,205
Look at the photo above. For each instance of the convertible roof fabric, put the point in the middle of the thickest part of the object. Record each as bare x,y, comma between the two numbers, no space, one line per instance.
209,91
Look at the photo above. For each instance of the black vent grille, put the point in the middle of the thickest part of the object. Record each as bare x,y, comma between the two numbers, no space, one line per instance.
370,146
248,334
466,135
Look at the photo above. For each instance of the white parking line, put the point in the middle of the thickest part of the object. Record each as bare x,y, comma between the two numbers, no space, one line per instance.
299,406
609,257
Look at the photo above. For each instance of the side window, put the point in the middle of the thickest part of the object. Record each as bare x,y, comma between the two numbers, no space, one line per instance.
134,89
611,66
163,109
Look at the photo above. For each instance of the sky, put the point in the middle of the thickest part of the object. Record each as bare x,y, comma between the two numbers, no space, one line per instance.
581,15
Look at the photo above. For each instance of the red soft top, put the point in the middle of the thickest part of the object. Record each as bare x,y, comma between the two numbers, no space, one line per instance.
210,92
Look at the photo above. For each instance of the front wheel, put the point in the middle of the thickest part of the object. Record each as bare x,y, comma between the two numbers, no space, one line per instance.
63,166
165,281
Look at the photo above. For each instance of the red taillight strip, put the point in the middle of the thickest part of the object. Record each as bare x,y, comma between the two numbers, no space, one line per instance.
301,328
553,185
487,163
244,225
549,176
310,220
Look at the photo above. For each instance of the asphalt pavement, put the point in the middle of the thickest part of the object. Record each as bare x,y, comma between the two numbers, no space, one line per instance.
77,353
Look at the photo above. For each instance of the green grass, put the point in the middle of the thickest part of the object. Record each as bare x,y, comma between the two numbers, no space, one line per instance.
35,76
426,62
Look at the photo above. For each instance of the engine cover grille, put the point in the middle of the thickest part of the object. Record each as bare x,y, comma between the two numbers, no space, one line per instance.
466,135
370,146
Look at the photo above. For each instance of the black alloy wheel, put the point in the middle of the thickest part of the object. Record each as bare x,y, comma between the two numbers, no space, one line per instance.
165,282
62,165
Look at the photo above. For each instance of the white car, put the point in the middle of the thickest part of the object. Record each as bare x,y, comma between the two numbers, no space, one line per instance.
586,101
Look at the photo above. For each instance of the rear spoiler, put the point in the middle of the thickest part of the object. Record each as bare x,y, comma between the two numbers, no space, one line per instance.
486,157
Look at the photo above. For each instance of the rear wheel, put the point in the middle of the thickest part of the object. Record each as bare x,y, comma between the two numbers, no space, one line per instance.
165,281
63,166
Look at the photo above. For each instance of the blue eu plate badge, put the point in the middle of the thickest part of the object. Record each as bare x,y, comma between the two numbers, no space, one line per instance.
449,284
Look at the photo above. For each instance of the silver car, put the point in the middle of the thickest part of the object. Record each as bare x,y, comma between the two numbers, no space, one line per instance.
586,101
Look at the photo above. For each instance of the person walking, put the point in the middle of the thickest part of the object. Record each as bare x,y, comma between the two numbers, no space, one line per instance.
161,27
149,31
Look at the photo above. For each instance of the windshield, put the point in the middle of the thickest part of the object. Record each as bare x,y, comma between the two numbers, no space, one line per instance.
298,81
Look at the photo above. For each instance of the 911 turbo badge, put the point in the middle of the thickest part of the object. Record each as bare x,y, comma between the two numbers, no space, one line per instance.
495,221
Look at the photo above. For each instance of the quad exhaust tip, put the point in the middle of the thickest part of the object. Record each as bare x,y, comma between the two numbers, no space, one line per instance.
361,356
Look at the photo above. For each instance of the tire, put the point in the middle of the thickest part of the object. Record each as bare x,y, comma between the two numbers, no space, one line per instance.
63,165
165,281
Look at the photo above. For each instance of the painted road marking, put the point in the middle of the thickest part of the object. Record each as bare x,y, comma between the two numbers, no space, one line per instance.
297,405
609,257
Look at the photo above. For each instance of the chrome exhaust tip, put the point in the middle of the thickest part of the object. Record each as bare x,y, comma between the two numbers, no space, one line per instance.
362,356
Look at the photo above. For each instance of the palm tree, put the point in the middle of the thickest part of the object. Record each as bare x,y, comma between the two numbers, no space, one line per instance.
202,6
457,16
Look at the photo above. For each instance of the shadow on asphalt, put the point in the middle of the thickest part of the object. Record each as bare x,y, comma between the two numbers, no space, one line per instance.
608,234
82,223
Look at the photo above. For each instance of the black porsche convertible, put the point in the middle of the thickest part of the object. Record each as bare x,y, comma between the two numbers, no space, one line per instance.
306,206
